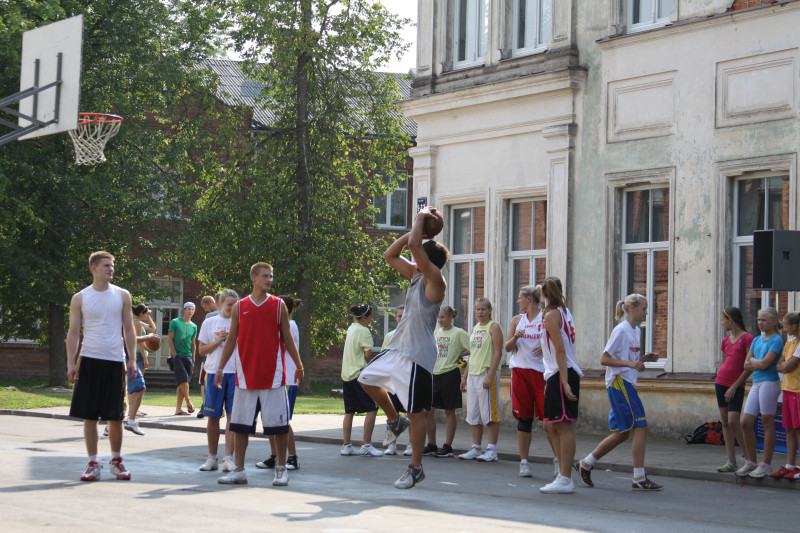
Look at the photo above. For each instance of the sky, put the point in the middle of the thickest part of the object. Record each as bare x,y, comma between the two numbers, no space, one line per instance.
406,9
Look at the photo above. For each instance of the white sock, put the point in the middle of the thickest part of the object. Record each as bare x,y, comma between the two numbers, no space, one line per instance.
492,447
115,455
524,462
93,458
476,446
590,460
790,467
638,473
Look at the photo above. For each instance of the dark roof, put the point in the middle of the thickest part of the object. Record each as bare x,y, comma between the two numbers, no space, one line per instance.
235,89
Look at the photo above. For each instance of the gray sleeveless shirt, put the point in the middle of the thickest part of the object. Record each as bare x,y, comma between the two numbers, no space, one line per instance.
413,337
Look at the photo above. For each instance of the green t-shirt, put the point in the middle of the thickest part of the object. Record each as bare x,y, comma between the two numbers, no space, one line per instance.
359,338
183,341
387,338
480,348
450,344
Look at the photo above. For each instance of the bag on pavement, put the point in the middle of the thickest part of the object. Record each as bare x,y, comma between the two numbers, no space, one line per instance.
708,433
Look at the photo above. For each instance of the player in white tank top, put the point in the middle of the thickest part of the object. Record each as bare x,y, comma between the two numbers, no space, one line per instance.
528,350
568,338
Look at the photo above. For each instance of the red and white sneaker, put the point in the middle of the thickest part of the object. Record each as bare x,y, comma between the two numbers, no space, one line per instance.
92,472
118,469
792,474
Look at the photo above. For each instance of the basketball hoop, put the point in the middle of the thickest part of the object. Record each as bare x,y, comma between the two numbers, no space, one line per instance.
94,131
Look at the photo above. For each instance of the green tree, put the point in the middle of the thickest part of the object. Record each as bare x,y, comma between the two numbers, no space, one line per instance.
136,63
299,201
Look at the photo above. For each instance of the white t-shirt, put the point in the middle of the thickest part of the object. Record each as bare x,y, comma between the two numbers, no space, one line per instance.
211,329
101,318
290,367
568,338
528,350
624,344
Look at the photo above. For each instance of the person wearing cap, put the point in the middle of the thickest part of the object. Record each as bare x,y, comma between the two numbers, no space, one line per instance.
182,347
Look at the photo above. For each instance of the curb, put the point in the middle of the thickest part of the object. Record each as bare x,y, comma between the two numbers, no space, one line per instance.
767,482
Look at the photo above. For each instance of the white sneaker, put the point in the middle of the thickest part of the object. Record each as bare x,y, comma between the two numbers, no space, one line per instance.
561,485
524,469
556,470
391,449
370,450
133,425
746,469
234,477
761,471
212,463
228,464
395,429
489,456
408,451
470,455
348,449
390,437
105,431
281,476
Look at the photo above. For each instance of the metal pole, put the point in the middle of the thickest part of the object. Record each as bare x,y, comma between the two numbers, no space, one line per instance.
36,84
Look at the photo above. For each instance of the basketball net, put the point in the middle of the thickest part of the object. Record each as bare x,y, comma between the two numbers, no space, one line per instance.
90,138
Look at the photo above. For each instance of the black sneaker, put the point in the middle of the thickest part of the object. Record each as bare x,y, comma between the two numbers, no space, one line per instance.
291,463
646,484
394,429
410,477
445,451
585,472
430,450
267,463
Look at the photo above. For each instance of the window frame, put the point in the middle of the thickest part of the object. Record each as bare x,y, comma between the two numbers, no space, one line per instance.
479,59
388,196
513,255
470,259
655,21
160,357
542,45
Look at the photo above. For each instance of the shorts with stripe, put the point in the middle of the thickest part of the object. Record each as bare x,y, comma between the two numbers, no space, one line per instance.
790,417
557,408
396,374
483,405
273,405
100,390
447,390
217,399
356,399
627,411
527,393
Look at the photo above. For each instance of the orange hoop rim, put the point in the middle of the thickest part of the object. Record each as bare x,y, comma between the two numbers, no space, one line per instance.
98,118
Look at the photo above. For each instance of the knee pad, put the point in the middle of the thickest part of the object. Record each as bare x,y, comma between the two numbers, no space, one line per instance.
525,424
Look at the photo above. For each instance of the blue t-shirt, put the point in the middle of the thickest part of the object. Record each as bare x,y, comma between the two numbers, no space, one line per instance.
760,349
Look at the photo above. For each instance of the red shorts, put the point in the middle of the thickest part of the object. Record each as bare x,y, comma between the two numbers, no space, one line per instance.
791,410
527,393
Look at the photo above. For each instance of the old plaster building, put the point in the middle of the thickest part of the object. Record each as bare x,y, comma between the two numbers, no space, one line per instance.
623,146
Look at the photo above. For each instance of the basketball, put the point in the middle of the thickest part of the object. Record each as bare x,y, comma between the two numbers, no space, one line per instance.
433,225
152,345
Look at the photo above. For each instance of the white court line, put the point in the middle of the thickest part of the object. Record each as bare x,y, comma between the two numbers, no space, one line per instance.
448,483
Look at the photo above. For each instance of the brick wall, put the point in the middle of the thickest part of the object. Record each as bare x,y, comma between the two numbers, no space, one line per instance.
23,361
745,4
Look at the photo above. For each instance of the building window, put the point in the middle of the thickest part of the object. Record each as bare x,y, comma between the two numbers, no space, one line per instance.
761,203
384,319
163,311
467,261
531,26
648,14
471,32
391,209
527,247
645,261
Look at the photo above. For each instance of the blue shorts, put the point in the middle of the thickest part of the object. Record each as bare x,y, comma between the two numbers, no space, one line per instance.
135,383
291,392
217,398
627,411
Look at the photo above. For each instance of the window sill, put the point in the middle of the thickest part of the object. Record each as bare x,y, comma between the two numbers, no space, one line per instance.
639,28
526,52
391,228
466,65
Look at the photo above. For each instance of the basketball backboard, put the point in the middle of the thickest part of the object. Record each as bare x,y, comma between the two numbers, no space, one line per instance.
40,57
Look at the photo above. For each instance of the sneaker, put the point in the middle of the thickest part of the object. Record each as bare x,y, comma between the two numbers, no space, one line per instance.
410,477
228,464
118,469
92,472
348,449
212,463
234,477
472,454
269,462
291,463
445,451
556,468
200,413
585,472
761,471
281,477
781,473
105,431
728,467
394,429
370,450
793,474
746,469
391,449
489,456
408,451
560,485
524,469
430,450
133,425
646,484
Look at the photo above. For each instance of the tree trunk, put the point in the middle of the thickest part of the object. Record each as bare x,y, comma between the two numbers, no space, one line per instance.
303,176
58,348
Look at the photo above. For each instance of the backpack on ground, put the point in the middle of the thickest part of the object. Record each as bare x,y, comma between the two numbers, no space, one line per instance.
708,433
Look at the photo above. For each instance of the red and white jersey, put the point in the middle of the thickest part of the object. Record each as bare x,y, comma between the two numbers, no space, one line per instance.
528,350
568,337
259,361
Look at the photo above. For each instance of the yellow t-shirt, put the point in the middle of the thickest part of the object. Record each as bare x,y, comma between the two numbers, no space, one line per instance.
450,344
791,380
359,338
481,350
